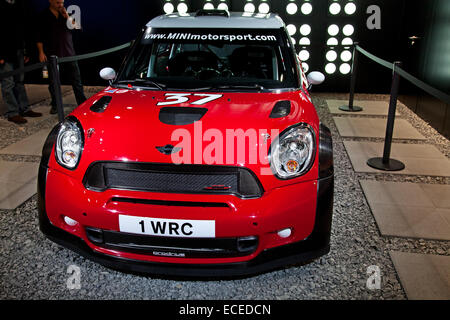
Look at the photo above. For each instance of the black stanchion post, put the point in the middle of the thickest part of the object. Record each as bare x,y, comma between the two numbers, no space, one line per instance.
56,83
351,107
385,163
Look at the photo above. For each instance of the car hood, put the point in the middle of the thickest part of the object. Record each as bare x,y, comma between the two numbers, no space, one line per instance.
131,127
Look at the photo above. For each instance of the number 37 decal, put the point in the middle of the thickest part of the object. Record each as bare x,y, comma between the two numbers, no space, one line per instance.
176,98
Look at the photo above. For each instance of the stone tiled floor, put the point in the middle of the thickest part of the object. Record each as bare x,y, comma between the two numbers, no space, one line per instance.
375,128
406,209
373,108
423,276
31,145
419,159
18,182
402,209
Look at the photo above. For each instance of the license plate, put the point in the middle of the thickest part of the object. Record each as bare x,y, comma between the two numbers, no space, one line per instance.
168,227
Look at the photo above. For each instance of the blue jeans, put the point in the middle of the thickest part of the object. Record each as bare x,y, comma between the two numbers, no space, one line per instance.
72,72
13,90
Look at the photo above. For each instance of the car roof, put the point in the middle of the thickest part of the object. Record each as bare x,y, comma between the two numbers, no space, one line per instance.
236,20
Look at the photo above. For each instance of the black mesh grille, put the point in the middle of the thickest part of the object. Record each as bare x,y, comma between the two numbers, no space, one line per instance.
156,181
172,178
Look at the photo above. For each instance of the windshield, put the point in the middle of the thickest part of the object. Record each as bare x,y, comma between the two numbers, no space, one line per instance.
211,59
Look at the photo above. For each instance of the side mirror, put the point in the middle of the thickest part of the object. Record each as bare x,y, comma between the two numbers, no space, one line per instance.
315,78
108,74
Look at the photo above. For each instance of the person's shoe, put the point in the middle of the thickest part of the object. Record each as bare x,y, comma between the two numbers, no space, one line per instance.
17,119
31,114
53,111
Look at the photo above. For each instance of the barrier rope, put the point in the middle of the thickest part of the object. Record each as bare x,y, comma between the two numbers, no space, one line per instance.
384,63
418,83
40,65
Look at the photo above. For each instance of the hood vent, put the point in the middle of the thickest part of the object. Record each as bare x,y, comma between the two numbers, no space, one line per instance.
281,109
179,116
101,104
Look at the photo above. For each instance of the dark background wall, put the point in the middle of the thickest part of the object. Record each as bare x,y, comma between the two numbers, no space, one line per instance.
428,59
108,23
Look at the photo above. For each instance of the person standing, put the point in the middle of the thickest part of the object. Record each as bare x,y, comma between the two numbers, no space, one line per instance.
14,21
55,38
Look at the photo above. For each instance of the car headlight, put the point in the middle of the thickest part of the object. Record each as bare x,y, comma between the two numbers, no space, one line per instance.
69,143
293,152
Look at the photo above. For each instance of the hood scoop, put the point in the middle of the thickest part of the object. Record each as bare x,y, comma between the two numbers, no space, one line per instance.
281,109
101,104
179,116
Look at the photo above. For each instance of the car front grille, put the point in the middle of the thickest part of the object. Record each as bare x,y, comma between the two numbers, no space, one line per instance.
173,246
170,178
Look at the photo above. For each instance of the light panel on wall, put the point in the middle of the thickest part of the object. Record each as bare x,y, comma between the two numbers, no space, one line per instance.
249,7
305,29
333,30
332,42
208,6
222,6
264,7
348,30
303,55
347,42
330,68
350,8
345,68
304,41
182,8
346,55
292,29
305,67
335,8
291,8
306,8
168,8
331,55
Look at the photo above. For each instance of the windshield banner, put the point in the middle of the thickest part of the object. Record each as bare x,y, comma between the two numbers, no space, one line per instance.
175,35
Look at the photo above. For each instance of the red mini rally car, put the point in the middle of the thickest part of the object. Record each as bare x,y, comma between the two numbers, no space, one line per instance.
204,157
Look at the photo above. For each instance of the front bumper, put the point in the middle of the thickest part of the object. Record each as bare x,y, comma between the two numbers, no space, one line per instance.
263,260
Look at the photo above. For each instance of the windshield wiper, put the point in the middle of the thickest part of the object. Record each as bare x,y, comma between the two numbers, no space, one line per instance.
158,85
231,86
